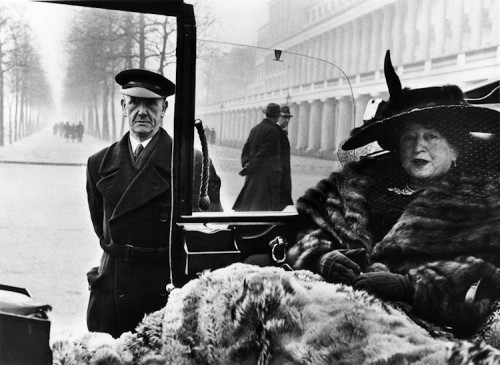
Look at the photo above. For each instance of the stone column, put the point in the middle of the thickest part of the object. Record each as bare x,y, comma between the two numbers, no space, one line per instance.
314,64
355,46
410,26
457,23
425,29
315,112
241,125
293,127
386,34
303,122
328,126
439,28
398,33
344,121
325,47
375,41
346,46
476,23
366,44
336,57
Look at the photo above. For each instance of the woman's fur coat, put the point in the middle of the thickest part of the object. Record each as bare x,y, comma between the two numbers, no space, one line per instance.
444,238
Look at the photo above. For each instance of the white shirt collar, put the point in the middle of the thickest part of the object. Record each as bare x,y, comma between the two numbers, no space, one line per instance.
134,142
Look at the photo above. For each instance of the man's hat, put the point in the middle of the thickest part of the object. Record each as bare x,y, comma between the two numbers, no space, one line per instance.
272,110
285,111
144,84
383,123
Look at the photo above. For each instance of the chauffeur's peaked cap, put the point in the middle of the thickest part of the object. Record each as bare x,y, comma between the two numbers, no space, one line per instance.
144,84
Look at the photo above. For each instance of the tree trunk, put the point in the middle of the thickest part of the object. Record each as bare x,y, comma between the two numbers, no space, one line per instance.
96,128
142,42
105,121
113,116
90,119
16,113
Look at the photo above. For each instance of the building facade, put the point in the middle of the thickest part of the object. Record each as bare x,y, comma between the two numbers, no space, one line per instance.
335,50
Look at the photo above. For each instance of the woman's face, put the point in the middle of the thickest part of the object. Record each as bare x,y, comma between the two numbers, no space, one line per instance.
425,154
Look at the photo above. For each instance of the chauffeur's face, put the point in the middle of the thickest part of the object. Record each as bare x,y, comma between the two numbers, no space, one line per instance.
144,115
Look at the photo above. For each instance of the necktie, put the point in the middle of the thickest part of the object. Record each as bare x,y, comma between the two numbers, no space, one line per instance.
138,151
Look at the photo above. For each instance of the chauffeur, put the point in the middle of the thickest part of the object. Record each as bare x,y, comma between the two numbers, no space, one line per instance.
128,188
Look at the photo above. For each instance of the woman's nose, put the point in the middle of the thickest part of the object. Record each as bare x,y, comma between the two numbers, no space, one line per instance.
420,144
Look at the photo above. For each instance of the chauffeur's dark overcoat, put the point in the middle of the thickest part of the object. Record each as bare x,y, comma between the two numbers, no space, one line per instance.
129,206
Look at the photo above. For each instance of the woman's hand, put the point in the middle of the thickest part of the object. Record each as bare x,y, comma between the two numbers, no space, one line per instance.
336,267
385,285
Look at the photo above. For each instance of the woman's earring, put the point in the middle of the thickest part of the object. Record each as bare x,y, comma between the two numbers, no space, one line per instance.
454,163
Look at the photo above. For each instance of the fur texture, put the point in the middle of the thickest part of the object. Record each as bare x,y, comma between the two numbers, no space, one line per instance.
244,314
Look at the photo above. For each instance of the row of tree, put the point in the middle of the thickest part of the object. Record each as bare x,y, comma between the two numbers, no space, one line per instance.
24,88
101,43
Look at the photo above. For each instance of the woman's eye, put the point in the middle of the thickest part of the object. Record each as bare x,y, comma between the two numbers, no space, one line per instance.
406,138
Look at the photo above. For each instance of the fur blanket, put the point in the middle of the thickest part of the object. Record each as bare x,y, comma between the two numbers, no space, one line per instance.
244,314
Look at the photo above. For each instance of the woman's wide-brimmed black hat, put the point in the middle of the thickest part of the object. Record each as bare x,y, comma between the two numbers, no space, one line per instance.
457,123
442,107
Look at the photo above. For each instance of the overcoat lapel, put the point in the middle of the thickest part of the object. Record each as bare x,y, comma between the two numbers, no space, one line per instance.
134,191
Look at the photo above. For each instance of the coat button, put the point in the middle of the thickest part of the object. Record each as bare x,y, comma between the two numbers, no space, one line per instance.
120,293
163,217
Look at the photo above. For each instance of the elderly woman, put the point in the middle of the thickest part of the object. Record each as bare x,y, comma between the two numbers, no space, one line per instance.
420,223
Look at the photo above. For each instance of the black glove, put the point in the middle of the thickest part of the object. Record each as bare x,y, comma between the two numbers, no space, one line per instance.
386,285
335,267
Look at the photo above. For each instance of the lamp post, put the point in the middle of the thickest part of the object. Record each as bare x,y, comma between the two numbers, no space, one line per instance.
287,98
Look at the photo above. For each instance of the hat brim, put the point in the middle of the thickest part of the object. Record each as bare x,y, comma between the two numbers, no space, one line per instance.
460,117
141,92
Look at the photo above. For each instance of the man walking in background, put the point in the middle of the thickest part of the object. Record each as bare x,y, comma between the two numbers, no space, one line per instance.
262,165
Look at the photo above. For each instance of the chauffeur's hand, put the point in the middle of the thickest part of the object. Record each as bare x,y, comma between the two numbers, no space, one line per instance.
336,267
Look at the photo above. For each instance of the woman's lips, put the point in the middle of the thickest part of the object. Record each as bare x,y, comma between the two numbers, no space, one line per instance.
419,162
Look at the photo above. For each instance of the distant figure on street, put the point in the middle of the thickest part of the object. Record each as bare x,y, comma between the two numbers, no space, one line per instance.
79,131
212,135
129,196
262,165
73,132
67,131
286,181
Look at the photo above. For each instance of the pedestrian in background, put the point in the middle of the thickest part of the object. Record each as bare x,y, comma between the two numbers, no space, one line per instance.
262,166
129,195
79,131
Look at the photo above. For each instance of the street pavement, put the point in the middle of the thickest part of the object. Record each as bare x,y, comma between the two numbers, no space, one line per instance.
47,239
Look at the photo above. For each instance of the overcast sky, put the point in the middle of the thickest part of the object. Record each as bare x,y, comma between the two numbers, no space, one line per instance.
238,19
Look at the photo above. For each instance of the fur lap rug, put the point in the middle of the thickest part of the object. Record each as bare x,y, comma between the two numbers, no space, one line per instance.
244,314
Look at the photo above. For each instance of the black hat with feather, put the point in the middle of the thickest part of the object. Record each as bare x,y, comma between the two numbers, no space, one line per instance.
441,106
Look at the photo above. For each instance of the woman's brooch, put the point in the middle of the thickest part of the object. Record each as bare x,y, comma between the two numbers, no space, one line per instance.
405,191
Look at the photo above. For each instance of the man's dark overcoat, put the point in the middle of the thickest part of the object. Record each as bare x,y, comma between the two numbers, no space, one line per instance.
129,207
286,180
261,161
